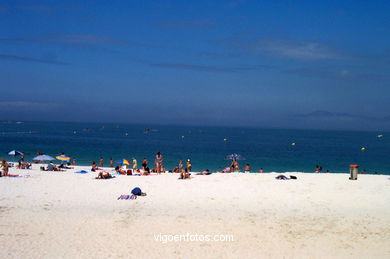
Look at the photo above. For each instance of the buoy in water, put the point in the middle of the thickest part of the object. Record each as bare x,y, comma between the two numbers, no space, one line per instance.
126,134
293,144
183,137
225,139
363,148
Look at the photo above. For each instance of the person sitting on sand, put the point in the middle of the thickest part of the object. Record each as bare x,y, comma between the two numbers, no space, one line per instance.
50,167
104,175
184,174
146,171
247,168
94,167
261,170
119,170
26,165
176,169
4,166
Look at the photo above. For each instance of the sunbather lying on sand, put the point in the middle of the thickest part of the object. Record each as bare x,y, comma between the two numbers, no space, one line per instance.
226,170
205,172
104,175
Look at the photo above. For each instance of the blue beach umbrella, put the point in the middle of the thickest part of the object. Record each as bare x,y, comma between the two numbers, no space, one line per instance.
44,158
15,153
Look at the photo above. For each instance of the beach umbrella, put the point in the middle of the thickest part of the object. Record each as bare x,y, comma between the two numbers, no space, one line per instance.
43,158
63,158
234,157
15,153
123,162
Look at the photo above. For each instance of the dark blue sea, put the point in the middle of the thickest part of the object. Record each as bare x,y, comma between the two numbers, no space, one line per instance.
207,147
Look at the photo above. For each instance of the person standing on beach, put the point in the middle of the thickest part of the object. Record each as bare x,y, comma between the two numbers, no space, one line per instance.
180,166
159,162
134,164
111,162
188,165
144,164
21,159
101,162
5,166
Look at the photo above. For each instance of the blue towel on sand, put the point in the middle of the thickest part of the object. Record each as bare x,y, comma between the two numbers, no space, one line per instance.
81,172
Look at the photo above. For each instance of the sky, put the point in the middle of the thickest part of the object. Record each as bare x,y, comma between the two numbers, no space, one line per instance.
283,64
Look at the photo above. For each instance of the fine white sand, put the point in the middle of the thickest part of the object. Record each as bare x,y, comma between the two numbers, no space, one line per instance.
68,215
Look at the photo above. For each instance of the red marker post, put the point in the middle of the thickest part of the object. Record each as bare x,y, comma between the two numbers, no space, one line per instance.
353,171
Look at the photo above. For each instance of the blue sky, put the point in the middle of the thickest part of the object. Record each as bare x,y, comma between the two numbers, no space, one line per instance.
295,64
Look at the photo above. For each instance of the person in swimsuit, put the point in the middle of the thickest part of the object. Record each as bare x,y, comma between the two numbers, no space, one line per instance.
159,162
134,164
104,175
247,168
188,165
5,166
184,174
101,161
144,164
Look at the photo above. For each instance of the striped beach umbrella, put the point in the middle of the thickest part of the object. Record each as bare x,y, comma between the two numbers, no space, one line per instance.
63,158
123,162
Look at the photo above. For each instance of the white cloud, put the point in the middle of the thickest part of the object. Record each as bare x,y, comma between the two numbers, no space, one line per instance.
294,50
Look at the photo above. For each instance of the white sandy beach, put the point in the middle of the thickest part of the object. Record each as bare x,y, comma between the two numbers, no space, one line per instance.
68,215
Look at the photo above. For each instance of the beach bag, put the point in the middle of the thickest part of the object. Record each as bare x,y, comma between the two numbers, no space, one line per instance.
138,192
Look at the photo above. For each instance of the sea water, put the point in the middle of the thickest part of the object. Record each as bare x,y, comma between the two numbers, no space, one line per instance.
207,147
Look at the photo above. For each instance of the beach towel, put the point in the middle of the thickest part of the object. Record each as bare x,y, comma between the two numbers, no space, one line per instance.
127,197
81,172
14,175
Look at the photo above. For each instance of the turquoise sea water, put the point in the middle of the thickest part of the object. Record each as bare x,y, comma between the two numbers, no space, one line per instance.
270,149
